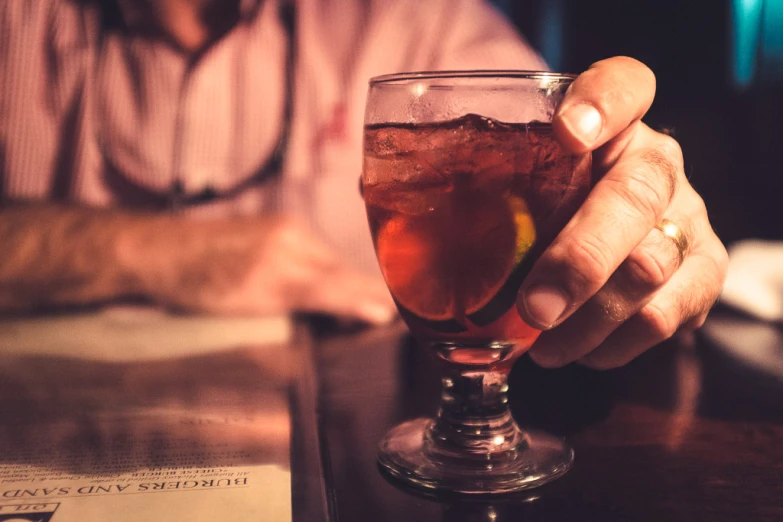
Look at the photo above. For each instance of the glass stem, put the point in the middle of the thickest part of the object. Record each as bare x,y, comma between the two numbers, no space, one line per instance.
474,427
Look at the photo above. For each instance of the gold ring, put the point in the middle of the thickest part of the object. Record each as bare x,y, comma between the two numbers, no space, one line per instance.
671,230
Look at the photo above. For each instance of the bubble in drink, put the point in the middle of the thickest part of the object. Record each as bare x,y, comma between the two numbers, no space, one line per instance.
459,211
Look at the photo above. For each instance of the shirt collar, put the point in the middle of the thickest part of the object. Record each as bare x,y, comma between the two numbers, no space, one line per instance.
132,14
248,8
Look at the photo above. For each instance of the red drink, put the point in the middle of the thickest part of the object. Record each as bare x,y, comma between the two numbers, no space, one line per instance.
459,211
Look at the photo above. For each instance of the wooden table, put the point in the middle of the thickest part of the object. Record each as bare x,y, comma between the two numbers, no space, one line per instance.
687,432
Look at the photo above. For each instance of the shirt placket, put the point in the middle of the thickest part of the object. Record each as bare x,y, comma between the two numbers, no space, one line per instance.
203,130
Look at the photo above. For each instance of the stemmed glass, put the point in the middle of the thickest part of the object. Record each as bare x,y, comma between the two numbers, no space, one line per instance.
465,186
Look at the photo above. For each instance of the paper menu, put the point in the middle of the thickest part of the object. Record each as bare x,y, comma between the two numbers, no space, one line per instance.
186,435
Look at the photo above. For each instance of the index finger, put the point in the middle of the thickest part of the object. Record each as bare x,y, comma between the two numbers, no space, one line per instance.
602,102
623,207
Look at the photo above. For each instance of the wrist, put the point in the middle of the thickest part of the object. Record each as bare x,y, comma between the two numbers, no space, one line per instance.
147,253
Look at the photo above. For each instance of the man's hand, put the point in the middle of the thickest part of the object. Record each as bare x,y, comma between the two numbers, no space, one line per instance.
262,265
611,285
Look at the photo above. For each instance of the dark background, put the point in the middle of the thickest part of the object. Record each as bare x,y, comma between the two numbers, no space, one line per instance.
730,135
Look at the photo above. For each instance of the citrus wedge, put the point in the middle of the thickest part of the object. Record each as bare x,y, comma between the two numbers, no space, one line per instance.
452,261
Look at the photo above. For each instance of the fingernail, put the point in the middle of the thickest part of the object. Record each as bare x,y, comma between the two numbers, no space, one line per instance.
375,313
584,121
545,305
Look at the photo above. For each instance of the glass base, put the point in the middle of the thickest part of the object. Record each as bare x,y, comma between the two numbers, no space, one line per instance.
540,458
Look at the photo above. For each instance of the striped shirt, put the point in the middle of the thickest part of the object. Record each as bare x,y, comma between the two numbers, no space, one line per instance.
105,116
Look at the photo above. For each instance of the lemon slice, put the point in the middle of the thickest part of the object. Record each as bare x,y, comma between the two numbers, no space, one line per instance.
451,262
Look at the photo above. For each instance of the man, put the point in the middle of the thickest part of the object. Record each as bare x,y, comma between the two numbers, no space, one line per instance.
159,149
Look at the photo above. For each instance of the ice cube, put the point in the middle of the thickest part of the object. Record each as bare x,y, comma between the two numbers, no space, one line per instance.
402,198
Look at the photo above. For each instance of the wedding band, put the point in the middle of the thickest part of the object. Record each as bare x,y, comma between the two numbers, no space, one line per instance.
671,230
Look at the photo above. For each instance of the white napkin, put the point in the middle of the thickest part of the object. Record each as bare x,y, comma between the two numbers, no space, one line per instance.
754,283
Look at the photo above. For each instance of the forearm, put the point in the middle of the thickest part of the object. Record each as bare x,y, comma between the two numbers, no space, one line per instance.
54,255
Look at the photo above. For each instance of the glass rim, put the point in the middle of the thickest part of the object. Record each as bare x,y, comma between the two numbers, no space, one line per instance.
477,73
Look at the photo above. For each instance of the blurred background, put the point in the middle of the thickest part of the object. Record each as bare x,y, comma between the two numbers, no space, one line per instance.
719,65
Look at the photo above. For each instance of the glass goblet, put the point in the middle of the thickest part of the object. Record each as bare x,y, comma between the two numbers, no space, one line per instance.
465,185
